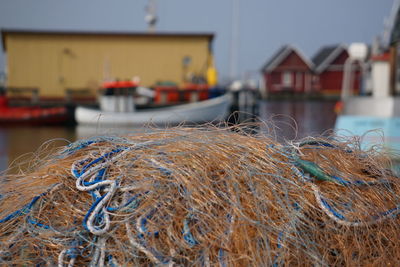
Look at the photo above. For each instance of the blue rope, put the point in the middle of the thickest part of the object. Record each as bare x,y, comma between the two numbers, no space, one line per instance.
133,203
316,171
359,182
75,171
187,235
74,147
102,157
334,212
394,212
163,170
322,143
280,236
36,223
163,259
23,211
221,257
389,212
91,209
73,252
143,222
316,143
78,146
110,261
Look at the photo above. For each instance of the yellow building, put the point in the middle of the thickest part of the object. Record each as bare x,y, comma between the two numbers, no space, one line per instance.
56,61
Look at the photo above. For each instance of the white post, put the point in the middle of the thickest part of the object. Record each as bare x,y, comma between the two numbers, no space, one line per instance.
347,78
380,78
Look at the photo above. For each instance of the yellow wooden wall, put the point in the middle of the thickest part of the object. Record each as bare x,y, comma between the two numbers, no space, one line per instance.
54,62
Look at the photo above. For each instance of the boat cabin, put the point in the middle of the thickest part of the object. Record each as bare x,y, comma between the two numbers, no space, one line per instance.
118,96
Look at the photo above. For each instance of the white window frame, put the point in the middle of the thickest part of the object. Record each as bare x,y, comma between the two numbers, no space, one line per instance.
287,78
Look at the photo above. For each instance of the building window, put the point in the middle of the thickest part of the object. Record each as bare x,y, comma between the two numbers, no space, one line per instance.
299,80
287,78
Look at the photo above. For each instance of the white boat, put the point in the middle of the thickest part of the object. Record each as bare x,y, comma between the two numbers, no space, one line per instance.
376,116
119,111
377,120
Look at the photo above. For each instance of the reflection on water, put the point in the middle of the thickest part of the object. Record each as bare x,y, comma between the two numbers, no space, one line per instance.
3,150
285,120
291,120
20,142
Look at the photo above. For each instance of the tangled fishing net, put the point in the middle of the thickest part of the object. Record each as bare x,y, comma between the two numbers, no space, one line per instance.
202,197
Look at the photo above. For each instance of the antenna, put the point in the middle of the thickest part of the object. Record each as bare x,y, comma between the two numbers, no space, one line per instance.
151,17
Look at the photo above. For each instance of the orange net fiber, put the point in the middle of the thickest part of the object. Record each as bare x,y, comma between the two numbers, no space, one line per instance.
202,197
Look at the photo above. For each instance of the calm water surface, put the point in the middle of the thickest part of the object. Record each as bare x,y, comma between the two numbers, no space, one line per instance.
291,120
285,120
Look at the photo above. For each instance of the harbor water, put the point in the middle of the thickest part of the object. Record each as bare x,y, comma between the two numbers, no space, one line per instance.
283,120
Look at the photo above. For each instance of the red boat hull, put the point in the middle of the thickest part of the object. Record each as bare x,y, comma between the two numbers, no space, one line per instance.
32,116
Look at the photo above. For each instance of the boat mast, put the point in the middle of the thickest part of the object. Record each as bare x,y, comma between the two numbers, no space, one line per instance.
389,23
234,39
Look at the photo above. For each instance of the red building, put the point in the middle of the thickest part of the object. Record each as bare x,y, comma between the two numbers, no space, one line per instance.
329,64
288,71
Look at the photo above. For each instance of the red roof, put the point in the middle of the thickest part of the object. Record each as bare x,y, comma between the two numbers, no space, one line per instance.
282,54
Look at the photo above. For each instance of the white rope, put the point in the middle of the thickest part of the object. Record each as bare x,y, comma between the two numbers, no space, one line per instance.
139,246
61,259
99,254
100,206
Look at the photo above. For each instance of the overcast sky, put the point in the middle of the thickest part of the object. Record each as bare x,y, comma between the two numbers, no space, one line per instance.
264,25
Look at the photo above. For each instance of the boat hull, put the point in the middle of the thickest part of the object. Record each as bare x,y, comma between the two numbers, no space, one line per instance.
212,110
373,130
375,119
14,116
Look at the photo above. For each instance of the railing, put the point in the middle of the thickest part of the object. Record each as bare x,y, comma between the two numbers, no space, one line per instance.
23,94
172,95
